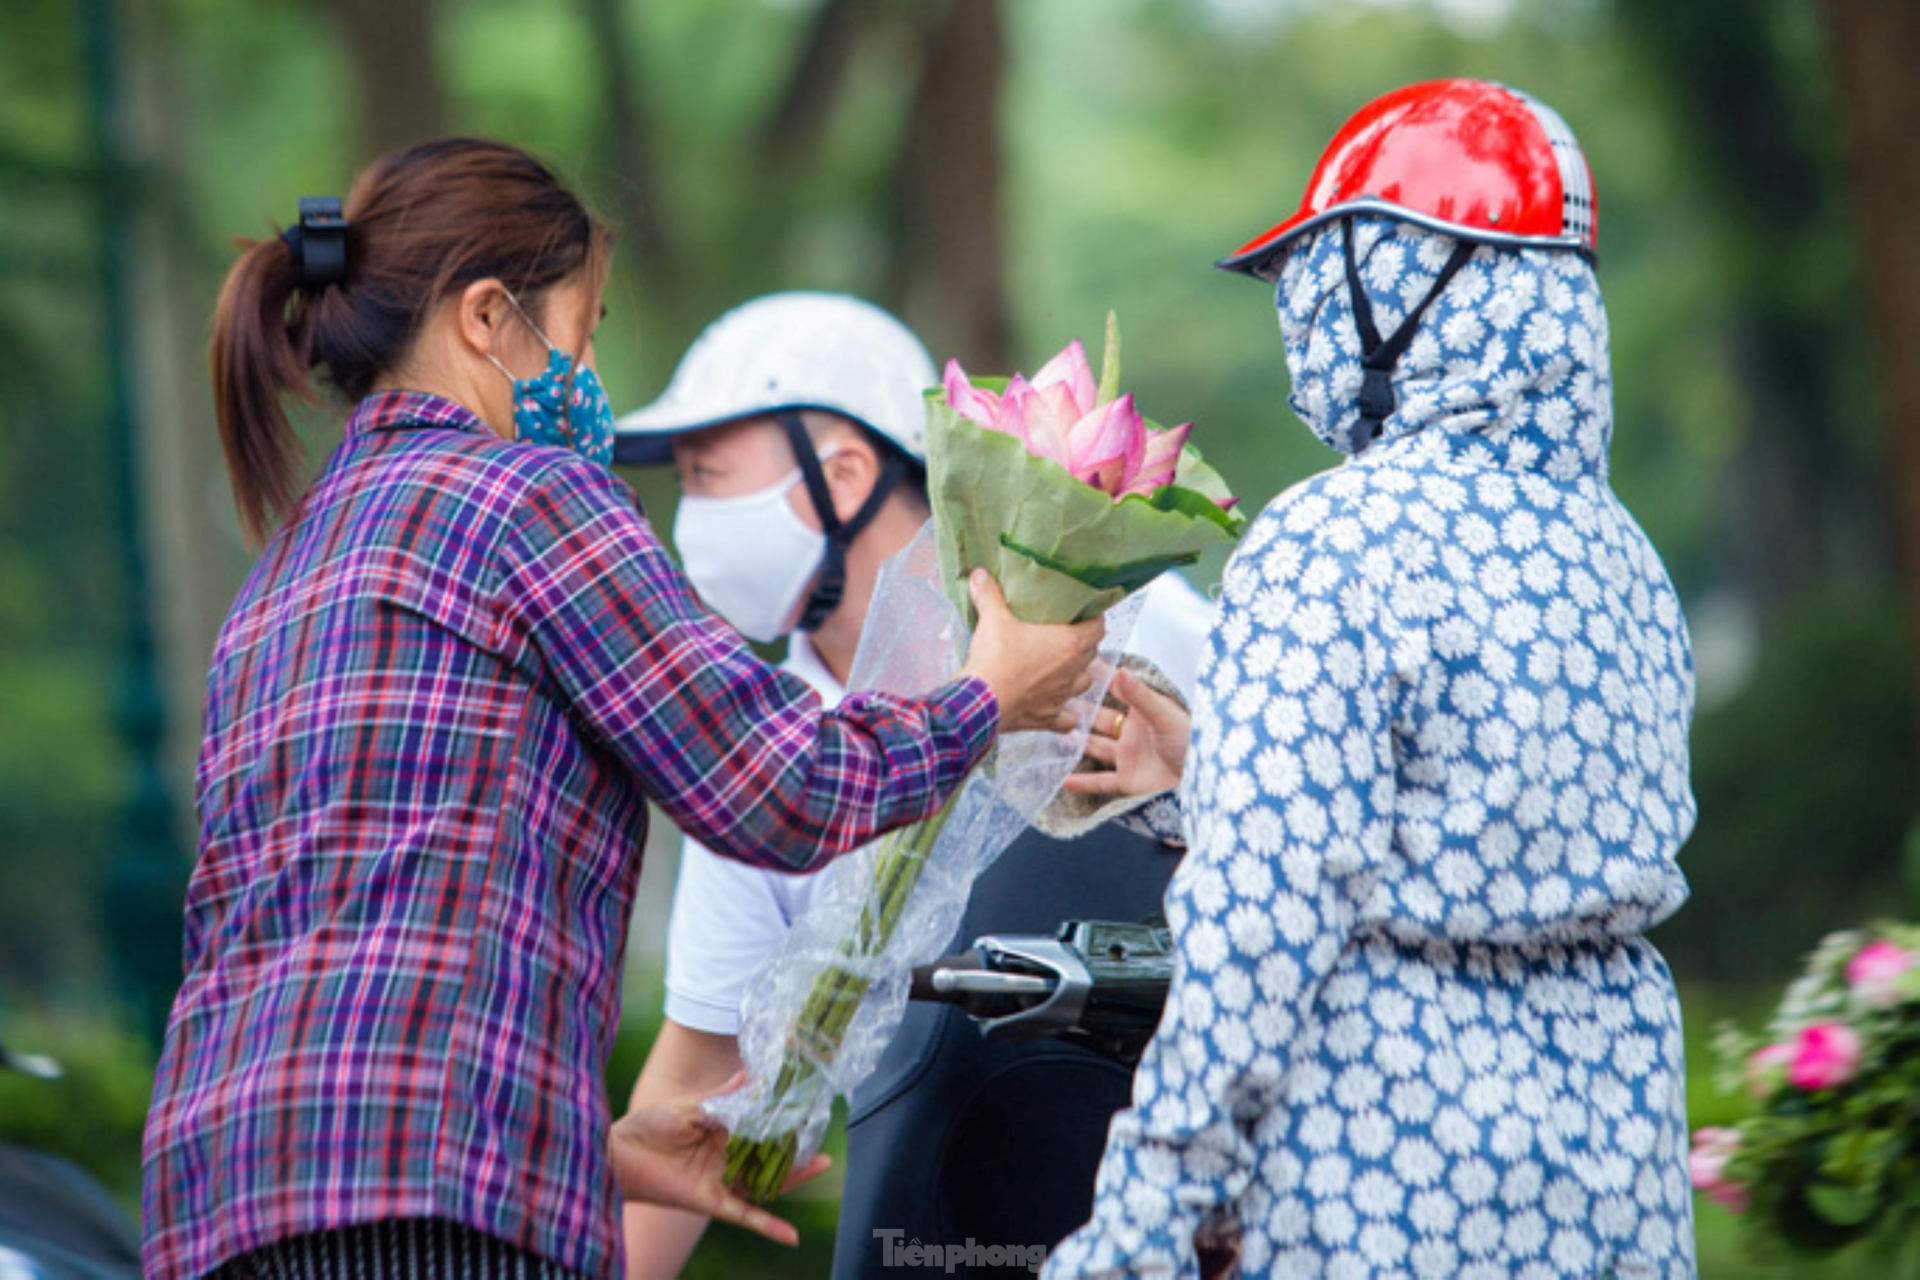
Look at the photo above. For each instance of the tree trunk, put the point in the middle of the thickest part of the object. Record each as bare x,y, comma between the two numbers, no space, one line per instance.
948,270
197,558
799,117
1875,49
390,46
146,875
627,140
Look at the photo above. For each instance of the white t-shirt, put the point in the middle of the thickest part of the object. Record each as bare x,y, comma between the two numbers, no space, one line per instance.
728,919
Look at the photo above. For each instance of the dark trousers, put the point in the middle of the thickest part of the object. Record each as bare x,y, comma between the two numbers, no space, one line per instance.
399,1249
990,1148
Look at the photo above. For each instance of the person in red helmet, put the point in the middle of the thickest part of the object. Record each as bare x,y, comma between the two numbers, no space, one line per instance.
1439,770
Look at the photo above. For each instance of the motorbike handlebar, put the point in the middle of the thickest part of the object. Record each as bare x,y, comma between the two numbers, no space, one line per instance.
1099,983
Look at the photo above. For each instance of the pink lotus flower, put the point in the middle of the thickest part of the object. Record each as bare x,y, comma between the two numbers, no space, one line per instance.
1707,1166
1767,1069
1059,415
1875,975
1825,1055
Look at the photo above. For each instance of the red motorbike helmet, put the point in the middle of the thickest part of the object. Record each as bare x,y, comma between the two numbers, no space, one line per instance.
1466,157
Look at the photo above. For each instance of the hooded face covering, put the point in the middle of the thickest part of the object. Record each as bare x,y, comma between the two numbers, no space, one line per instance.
1509,363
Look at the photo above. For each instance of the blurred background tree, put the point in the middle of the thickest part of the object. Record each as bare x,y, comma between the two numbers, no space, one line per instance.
1001,174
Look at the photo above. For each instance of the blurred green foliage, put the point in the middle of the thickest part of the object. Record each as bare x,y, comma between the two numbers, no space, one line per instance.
1144,139
94,1114
1805,784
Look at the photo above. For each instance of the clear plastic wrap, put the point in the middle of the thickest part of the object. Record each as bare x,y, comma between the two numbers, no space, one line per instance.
851,942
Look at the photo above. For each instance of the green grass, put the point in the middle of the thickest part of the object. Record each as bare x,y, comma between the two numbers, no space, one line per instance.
1727,1253
1703,1008
728,1253
94,1114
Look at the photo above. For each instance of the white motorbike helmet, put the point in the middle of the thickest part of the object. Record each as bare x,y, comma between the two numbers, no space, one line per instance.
786,352
779,355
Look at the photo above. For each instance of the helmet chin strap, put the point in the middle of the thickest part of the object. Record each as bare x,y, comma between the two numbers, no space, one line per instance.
1377,358
830,583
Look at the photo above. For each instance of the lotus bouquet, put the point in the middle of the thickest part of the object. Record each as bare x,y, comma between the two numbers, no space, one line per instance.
1831,1153
1062,490
1072,500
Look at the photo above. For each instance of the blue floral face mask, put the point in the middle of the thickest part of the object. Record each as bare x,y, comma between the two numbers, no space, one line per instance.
547,411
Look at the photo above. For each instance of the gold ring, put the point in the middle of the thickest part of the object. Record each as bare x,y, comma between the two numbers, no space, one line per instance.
1119,719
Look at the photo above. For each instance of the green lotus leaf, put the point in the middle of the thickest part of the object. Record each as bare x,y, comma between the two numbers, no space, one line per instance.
1061,550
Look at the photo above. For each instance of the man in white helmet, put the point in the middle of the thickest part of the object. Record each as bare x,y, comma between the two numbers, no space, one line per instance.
796,424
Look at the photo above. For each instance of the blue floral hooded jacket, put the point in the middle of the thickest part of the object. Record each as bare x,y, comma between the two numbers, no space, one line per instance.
1436,788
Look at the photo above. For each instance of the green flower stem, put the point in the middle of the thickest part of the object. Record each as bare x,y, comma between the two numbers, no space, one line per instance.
757,1167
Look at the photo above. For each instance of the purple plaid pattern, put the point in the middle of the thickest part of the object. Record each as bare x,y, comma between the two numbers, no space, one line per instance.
434,718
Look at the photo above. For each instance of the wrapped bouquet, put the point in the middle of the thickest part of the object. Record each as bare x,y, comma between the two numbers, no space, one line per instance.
1072,500
1062,490
1830,1155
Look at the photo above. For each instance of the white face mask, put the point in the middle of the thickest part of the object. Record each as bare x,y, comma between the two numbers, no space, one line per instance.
751,558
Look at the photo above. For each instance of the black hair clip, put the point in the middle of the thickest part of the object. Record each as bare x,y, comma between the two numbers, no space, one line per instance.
319,242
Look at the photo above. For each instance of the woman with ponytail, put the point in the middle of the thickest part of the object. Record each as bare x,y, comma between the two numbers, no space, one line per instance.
436,715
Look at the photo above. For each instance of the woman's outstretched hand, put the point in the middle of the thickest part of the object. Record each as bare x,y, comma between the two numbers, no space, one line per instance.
1145,745
1034,671
675,1154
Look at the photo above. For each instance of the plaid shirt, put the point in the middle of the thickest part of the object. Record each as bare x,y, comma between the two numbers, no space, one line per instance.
435,716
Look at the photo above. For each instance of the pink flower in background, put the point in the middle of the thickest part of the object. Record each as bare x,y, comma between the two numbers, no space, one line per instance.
1707,1165
1767,1069
1058,415
1825,1055
1875,974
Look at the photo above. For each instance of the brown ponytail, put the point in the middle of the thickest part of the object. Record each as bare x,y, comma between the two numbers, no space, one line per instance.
422,224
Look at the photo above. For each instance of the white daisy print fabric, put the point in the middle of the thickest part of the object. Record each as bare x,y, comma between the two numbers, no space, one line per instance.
1437,785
